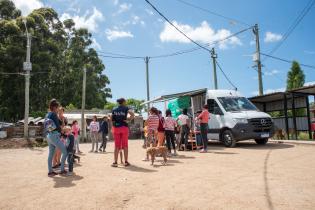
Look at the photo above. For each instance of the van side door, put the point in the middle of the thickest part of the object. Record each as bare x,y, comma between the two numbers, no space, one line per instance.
216,117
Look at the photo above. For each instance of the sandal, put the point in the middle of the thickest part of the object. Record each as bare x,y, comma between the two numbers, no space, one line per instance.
115,165
127,164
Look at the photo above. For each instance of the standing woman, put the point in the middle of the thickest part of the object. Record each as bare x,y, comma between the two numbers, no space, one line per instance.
53,138
161,130
63,121
170,124
183,119
204,119
120,129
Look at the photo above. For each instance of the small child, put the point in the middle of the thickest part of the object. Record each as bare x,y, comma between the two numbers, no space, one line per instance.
70,149
153,124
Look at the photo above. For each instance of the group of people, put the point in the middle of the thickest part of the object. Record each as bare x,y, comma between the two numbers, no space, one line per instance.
63,140
157,129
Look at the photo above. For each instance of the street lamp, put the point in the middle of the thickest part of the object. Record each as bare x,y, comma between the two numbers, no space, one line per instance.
27,67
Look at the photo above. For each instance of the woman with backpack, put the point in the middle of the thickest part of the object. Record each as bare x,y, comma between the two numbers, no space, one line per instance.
53,130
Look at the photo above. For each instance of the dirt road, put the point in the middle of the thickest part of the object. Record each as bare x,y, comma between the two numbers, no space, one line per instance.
275,176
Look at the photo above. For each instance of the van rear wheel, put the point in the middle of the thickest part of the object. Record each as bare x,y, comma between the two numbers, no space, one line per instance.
261,141
228,139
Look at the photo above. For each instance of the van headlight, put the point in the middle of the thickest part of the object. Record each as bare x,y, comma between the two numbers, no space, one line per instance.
240,120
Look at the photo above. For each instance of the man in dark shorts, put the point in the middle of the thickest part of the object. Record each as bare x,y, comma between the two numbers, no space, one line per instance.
121,130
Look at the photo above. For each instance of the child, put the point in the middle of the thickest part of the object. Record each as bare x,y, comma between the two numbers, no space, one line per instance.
94,128
197,130
145,131
70,150
153,124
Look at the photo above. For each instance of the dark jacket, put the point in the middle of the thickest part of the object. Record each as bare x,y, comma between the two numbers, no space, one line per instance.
70,143
53,116
104,127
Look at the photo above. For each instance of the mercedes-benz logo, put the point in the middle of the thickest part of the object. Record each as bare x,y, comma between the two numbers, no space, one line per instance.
263,121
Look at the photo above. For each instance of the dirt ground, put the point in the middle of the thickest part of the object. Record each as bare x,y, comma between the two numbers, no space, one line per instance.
274,176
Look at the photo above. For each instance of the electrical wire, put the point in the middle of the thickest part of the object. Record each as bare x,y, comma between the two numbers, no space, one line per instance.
226,77
118,54
287,61
167,20
213,13
292,27
198,48
120,57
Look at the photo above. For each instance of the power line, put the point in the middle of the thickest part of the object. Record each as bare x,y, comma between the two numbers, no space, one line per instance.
120,57
118,54
226,77
213,13
295,23
287,61
165,18
205,45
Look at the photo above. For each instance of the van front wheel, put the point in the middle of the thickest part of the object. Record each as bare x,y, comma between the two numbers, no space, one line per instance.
261,141
228,139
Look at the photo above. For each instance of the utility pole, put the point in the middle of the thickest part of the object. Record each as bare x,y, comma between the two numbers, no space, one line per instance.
214,57
27,66
83,129
257,60
147,79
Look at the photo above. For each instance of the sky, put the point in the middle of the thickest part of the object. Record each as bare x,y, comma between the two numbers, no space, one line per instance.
132,27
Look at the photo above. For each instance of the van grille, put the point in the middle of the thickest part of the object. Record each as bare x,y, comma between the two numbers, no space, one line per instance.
261,124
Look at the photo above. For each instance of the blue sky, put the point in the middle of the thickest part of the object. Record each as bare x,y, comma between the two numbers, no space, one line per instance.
133,28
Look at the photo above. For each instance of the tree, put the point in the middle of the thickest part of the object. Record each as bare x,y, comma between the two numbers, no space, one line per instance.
135,105
59,53
296,77
110,106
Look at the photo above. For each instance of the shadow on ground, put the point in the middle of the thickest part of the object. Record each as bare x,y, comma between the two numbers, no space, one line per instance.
135,168
268,146
66,181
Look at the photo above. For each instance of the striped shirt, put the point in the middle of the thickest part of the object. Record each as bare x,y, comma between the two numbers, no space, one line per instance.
170,123
153,122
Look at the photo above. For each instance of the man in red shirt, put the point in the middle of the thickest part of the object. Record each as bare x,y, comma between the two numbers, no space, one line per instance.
204,119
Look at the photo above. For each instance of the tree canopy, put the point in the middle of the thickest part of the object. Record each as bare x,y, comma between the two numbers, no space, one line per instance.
296,77
59,52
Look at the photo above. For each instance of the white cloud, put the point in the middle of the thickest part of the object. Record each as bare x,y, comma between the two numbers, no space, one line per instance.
252,42
271,73
95,44
309,83
124,7
272,37
117,34
203,33
134,20
89,20
27,6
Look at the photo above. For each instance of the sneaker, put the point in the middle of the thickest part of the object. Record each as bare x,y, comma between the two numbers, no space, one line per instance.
64,172
174,154
51,174
69,174
96,151
100,150
104,150
115,165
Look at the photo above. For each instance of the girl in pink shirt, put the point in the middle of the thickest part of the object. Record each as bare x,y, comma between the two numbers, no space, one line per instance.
75,130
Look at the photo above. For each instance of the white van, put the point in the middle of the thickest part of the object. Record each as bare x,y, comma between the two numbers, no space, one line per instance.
234,118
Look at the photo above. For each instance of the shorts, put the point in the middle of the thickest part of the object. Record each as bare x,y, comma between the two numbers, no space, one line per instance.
121,137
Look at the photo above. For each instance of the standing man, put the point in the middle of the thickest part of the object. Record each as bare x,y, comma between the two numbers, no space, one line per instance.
183,120
121,130
104,132
204,119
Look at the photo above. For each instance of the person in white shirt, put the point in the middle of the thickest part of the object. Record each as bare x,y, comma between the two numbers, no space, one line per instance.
94,128
183,121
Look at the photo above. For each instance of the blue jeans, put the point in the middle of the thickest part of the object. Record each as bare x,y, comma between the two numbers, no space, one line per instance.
53,140
199,139
70,162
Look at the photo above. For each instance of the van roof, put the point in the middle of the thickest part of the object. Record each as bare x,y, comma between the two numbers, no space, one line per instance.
223,93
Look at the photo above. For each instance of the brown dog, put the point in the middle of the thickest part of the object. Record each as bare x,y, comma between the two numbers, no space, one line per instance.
154,151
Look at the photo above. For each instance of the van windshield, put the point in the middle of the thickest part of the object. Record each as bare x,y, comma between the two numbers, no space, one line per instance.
236,104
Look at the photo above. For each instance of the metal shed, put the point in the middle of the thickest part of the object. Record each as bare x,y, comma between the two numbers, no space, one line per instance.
288,101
